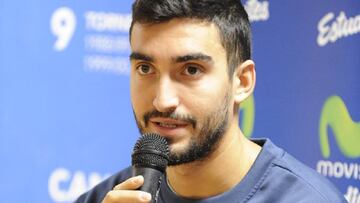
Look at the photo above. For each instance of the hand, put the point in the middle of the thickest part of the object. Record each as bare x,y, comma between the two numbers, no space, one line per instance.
126,192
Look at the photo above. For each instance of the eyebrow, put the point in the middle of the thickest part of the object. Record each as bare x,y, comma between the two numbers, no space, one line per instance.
140,56
193,57
178,59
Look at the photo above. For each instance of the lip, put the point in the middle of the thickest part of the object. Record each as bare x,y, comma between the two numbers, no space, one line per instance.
171,131
168,120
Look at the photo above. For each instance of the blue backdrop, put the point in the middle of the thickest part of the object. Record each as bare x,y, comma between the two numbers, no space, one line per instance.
65,113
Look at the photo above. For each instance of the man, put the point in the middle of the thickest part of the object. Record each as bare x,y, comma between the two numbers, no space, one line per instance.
191,68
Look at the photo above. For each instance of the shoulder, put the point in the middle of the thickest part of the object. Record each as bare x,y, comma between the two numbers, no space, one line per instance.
98,193
299,181
286,179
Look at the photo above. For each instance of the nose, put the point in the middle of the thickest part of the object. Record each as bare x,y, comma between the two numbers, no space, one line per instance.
166,98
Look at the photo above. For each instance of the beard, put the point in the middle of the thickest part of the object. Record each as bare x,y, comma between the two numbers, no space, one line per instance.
200,146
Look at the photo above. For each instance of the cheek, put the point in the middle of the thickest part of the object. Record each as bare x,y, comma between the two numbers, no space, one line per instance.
212,111
136,98
205,98
141,97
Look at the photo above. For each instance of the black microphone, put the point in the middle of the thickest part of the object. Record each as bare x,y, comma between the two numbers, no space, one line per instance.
149,159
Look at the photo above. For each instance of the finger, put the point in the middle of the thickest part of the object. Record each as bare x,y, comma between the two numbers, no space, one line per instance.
131,183
128,196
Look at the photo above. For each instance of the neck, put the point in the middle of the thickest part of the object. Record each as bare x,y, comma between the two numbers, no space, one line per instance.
200,179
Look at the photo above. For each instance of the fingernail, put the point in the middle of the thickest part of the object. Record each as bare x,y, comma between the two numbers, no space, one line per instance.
138,179
145,196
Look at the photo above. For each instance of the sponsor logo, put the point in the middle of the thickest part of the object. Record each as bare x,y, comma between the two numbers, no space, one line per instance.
106,41
331,29
352,194
66,186
339,169
107,21
335,115
247,116
347,132
257,10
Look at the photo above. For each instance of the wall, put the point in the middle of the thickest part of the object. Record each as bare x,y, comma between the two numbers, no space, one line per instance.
65,113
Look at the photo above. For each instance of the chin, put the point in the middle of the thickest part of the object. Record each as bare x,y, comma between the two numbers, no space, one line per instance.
178,147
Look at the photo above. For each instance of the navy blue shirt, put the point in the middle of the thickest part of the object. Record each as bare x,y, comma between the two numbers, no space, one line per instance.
275,176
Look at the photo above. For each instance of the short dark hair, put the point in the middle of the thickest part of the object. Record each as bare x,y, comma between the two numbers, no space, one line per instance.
228,15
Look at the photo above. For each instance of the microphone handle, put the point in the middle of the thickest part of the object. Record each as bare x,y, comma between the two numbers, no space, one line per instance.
152,180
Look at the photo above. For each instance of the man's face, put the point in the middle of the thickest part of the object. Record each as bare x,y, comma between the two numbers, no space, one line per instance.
180,86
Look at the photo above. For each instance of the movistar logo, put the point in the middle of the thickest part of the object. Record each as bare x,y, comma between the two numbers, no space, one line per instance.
247,109
347,132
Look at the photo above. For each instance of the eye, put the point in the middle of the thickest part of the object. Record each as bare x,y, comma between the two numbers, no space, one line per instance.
144,69
192,70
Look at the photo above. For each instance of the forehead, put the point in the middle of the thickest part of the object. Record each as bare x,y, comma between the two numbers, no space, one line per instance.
177,37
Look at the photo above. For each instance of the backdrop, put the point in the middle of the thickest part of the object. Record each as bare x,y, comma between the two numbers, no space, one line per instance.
65,113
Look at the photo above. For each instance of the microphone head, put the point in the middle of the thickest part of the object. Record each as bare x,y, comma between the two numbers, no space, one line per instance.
151,150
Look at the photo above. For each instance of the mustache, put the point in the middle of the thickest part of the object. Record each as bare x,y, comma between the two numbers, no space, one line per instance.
169,114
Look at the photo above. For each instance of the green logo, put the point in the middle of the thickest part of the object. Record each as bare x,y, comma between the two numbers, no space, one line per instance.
347,132
248,116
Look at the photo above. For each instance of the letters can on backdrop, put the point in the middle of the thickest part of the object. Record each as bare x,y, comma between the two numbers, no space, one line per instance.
66,120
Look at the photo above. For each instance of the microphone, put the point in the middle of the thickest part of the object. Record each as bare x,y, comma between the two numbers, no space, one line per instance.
149,159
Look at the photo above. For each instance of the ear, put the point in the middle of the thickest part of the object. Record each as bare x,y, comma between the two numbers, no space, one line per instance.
244,79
